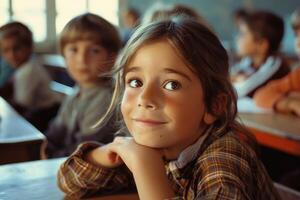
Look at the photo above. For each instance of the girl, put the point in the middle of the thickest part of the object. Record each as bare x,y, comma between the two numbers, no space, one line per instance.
179,107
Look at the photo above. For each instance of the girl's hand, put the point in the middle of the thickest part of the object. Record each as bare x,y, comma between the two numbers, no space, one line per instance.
147,167
135,155
124,150
104,157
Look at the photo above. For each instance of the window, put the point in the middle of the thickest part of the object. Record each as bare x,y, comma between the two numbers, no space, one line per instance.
106,9
66,10
4,12
46,18
31,13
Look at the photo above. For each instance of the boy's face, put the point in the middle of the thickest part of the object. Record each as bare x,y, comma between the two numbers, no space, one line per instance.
162,103
14,52
247,45
297,39
86,60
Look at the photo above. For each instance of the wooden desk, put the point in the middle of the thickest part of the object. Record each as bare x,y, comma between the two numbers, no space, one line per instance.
37,180
30,180
19,140
274,130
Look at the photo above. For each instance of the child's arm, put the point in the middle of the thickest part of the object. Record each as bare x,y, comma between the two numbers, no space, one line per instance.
270,94
147,167
289,104
78,177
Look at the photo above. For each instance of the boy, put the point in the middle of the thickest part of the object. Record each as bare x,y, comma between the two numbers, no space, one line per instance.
284,95
89,45
31,94
260,36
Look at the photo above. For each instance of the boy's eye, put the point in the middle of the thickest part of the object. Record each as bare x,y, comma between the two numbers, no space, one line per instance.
72,49
95,50
172,85
134,83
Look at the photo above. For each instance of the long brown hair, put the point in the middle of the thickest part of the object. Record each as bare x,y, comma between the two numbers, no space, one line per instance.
202,52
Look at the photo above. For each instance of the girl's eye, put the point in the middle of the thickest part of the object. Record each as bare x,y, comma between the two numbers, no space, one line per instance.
134,83
172,85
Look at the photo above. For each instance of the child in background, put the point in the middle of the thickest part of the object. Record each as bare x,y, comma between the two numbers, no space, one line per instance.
131,19
31,94
179,108
283,95
89,45
161,11
258,43
239,15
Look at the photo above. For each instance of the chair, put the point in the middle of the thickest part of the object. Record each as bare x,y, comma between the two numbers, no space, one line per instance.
287,193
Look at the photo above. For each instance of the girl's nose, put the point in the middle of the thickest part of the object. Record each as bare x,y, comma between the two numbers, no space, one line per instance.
148,98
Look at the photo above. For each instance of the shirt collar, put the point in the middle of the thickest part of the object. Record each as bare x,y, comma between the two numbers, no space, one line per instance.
189,153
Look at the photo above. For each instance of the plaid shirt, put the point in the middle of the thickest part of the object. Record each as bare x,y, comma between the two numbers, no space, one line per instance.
217,166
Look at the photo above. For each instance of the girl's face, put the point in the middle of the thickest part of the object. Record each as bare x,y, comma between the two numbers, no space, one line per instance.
86,61
246,43
163,100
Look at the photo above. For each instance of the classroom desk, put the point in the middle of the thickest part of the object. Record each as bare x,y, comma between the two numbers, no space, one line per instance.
37,180
19,140
274,130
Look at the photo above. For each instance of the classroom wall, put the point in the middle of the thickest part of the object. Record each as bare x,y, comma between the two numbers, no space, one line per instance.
219,14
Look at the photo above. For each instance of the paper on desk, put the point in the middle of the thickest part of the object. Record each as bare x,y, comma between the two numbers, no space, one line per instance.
247,105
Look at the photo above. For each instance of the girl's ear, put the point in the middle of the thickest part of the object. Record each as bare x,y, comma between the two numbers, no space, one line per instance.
217,109
209,118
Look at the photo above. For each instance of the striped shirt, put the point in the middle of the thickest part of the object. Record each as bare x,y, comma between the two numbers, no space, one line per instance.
217,166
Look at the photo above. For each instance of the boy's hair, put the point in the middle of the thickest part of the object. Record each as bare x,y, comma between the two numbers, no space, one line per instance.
133,12
19,31
241,13
202,52
91,27
295,19
266,25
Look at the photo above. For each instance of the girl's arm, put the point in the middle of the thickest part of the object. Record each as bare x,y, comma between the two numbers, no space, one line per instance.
147,167
77,177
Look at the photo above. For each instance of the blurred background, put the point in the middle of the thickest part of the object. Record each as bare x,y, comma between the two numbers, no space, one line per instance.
46,18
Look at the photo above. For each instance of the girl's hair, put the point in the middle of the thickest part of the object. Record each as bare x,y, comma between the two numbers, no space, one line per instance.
91,27
203,53
19,31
